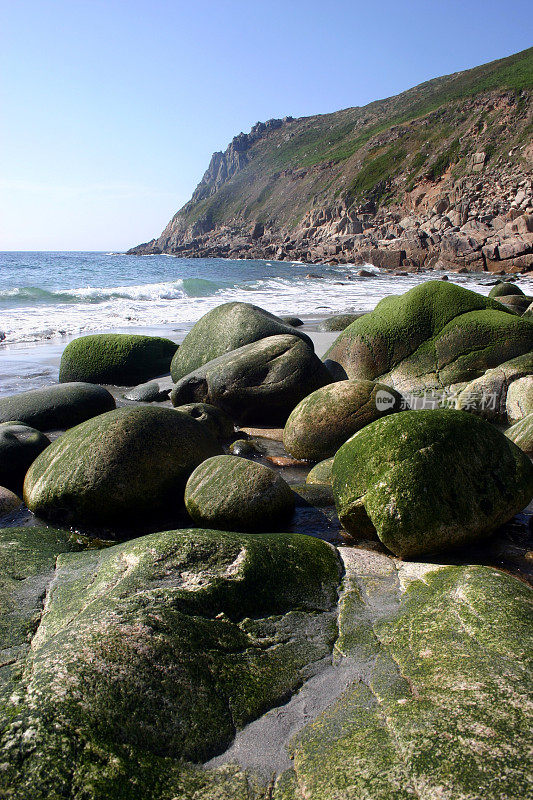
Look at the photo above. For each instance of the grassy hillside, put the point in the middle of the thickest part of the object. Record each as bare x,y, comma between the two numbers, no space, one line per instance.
377,152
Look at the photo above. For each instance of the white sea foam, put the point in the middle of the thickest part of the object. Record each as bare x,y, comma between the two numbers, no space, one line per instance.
180,303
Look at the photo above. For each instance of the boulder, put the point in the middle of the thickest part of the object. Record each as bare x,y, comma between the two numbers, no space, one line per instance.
19,447
261,382
519,401
516,303
246,448
216,421
434,336
56,407
521,433
151,655
151,392
487,395
426,481
294,322
338,322
326,418
431,655
9,501
232,493
227,327
505,289
127,466
321,473
116,358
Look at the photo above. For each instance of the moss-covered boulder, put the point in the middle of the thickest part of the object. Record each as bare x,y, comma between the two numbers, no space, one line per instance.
437,676
425,481
321,473
217,421
487,395
122,467
505,289
225,328
233,493
521,433
434,336
116,358
519,401
326,418
338,322
151,654
260,382
294,322
56,407
9,501
19,447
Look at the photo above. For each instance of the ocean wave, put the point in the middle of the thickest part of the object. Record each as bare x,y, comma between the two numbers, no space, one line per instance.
29,314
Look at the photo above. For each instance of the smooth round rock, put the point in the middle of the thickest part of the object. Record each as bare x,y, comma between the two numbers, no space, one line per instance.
519,401
321,473
504,289
327,418
217,421
261,382
228,492
426,481
125,466
245,448
116,358
19,447
150,392
56,407
226,328
294,322
338,322
8,501
516,302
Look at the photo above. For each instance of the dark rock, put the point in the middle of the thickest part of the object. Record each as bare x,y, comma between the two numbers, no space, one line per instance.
19,447
262,381
56,407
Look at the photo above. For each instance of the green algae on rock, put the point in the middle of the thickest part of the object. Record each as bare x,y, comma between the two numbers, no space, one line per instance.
128,465
326,418
338,322
260,382
151,654
234,493
436,335
425,481
117,358
19,447
225,328
56,407
438,705
321,473
506,289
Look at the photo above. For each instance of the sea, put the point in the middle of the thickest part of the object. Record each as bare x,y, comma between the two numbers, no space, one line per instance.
48,298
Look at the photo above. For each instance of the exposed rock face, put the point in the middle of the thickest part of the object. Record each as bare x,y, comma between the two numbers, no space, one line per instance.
437,177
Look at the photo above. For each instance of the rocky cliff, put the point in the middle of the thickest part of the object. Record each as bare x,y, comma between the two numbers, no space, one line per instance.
439,176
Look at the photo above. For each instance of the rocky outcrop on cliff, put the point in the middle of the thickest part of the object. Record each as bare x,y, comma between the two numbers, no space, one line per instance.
439,177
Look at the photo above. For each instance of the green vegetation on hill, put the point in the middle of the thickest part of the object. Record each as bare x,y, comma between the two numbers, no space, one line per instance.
376,152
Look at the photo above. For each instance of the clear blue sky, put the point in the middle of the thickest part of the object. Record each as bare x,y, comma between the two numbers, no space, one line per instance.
111,108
